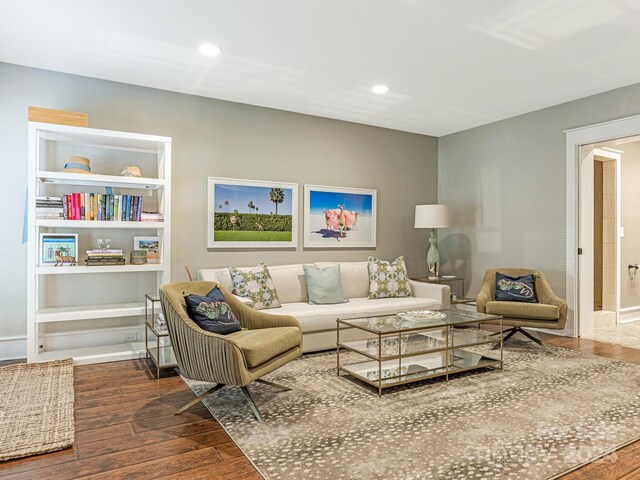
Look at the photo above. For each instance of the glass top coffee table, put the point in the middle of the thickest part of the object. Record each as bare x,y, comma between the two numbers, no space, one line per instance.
416,345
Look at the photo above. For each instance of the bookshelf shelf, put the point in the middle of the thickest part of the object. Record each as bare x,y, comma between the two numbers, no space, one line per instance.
97,224
113,313
99,354
89,312
81,179
80,269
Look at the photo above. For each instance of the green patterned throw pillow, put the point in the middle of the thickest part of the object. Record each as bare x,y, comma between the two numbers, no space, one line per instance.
256,284
388,280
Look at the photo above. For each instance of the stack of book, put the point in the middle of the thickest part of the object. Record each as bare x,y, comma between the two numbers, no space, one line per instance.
102,207
105,256
151,217
49,207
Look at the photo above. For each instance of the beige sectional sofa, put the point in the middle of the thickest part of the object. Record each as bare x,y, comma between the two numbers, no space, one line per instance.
318,322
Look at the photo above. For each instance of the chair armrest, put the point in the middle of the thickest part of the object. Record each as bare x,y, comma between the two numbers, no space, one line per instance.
244,300
483,297
255,319
439,292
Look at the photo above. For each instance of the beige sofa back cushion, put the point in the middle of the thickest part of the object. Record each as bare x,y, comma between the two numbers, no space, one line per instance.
355,277
288,280
290,283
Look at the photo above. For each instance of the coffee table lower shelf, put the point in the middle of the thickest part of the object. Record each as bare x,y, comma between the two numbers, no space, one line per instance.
416,368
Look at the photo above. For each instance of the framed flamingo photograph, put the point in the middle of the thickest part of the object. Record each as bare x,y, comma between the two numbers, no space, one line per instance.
339,217
251,213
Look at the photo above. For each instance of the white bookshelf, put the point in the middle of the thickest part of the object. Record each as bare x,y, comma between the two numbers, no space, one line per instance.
50,300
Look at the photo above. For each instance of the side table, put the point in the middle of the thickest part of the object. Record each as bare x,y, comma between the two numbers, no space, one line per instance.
455,299
161,354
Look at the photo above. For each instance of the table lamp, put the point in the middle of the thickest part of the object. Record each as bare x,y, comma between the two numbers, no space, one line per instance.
432,216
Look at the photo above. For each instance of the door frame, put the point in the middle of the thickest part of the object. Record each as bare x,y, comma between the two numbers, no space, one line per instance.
575,138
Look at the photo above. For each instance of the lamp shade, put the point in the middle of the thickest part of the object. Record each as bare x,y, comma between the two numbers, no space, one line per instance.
432,216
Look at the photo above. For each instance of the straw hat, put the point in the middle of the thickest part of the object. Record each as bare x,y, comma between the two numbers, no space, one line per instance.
77,164
131,171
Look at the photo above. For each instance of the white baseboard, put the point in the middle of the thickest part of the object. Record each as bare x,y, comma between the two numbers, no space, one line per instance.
12,348
629,314
90,338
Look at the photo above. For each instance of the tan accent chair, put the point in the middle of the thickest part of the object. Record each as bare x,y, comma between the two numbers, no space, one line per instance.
550,312
265,343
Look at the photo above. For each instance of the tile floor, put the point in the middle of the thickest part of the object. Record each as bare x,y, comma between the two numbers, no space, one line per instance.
625,334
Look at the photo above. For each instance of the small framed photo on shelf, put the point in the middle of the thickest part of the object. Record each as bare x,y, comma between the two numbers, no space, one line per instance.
151,245
57,244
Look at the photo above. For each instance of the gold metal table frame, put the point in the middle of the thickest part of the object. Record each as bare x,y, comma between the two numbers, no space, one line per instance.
427,353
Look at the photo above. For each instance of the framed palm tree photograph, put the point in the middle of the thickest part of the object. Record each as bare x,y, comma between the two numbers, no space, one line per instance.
251,213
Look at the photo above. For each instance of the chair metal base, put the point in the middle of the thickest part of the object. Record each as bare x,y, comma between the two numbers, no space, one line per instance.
511,332
245,391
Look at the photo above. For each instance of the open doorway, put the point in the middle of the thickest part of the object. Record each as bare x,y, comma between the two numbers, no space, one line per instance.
610,208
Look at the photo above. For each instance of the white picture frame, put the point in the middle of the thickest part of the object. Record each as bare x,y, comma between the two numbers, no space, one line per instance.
50,242
248,217
339,217
152,245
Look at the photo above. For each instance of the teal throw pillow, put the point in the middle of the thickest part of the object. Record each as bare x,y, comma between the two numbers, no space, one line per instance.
324,285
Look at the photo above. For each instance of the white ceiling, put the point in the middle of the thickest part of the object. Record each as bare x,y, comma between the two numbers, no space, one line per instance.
451,64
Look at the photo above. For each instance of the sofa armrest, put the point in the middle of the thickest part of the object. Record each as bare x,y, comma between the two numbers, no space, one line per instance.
439,292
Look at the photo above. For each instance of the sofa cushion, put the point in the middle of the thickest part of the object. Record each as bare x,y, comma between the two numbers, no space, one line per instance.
262,345
541,311
324,285
388,279
355,277
323,317
289,282
256,284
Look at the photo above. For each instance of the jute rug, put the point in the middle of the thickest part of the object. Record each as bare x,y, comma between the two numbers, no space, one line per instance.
36,408
548,411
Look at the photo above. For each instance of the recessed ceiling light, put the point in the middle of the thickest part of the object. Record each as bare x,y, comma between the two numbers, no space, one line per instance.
210,50
380,89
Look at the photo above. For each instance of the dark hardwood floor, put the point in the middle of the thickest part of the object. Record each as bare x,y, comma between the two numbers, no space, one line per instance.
125,429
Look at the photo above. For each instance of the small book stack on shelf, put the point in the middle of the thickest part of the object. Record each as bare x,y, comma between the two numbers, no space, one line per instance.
161,324
105,256
151,217
102,207
49,207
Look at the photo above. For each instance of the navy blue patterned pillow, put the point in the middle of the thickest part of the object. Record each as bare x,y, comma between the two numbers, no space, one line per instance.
211,312
516,289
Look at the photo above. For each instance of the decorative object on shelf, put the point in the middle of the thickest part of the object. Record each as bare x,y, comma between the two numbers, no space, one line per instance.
138,257
432,216
131,171
251,214
103,242
151,245
421,315
151,217
339,217
105,256
60,117
77,164
54,245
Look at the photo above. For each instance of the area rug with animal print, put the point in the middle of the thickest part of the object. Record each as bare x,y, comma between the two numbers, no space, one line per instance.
549,411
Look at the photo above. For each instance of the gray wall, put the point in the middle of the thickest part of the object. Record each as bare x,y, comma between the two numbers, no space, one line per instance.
216,138
506,184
